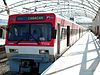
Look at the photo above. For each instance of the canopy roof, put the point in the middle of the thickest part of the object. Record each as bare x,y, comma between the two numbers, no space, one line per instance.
66,8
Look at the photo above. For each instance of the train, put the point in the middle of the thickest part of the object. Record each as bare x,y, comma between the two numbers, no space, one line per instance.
3,24
34,41
2,36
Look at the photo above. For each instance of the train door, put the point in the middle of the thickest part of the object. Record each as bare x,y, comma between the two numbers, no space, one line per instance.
79,32
68,35
1,33
97,30
58,39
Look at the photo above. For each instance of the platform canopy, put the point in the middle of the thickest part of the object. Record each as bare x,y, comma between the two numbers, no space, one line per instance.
66,8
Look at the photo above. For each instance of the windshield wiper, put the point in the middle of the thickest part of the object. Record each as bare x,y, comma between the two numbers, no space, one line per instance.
35,39
21,39
28,36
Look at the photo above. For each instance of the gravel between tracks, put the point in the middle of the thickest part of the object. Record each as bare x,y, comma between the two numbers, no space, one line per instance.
3,68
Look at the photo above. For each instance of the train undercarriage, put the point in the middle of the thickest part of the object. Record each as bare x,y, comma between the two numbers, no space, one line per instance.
29,64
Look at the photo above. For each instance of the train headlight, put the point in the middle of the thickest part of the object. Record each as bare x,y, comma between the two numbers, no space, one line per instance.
42,51
13,50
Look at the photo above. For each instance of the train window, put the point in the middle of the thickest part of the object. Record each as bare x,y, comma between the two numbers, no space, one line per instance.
30,32
1,32
63,33
74,31
44,32
18,32
71,32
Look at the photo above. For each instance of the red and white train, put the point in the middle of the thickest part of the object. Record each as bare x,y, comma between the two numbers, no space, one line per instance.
35,41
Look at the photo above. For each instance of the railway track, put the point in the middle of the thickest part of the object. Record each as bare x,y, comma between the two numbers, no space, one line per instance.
3,56
4,67
3,60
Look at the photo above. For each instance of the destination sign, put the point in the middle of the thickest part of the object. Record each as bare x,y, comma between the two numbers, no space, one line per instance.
28,18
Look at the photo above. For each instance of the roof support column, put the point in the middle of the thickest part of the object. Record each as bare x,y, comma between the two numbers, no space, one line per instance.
6,7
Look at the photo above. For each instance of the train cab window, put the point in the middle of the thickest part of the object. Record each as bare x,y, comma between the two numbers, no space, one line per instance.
30,32
18,32
1,32
43,32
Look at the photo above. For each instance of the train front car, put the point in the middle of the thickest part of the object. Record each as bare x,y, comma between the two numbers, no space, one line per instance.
30,42
35,41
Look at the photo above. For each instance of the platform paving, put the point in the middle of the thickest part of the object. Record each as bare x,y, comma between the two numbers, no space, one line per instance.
83,58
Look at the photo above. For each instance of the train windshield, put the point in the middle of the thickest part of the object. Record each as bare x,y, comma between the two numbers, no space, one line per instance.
27,32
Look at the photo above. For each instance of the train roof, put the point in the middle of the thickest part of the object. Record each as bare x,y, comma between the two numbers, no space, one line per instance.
57,15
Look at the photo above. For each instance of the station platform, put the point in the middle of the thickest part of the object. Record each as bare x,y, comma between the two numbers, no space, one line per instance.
81,59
